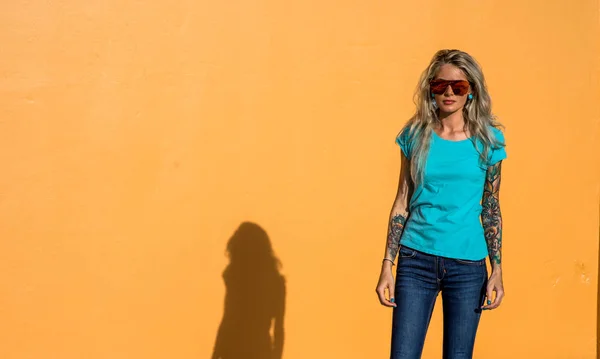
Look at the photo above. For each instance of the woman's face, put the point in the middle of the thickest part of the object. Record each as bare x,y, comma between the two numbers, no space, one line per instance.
449,102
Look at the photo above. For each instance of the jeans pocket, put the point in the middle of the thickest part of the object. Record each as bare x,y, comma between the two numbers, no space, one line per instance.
406,252
470,262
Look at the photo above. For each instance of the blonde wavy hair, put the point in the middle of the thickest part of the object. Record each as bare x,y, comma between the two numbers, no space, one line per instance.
477,112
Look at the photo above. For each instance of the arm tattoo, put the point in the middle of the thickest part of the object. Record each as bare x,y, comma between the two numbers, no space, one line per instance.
491,216
395,232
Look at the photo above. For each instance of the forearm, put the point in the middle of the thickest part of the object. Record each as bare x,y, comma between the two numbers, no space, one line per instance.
395,228
491,217
493,237
398,214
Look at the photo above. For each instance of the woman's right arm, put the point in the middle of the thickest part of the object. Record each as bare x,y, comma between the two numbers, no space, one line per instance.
398,216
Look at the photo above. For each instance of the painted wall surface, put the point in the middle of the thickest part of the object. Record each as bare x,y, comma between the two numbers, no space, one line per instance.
137,136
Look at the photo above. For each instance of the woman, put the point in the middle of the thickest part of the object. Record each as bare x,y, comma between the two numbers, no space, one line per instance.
446,216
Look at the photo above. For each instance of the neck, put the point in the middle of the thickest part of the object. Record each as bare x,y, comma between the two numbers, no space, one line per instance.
453,122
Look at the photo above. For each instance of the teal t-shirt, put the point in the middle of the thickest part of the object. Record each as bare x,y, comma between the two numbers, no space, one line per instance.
445,209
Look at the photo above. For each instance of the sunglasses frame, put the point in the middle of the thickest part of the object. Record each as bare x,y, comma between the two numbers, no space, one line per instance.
456,85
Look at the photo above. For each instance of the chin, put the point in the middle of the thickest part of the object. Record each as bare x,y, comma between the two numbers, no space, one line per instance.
449,109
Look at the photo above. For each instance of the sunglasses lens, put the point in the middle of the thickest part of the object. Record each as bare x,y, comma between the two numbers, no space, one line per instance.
460,88
439,87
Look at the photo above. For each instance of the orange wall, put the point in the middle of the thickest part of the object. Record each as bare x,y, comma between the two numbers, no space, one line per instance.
136,136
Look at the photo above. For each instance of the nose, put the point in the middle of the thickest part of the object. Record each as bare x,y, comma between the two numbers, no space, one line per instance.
448,91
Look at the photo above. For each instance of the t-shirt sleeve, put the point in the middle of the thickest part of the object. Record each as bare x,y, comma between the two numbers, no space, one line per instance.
403,140
499,153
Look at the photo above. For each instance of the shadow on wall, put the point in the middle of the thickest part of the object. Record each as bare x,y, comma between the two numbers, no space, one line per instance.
252,325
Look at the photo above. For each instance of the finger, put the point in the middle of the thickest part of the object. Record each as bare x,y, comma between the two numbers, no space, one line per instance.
498,300
392,296
488,302
382,299
380,295
493,304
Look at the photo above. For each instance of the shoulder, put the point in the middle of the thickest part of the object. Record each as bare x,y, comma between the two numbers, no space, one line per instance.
497,151
404,140
403,136
498,134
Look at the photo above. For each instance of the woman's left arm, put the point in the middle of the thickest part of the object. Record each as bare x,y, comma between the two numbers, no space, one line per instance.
491,219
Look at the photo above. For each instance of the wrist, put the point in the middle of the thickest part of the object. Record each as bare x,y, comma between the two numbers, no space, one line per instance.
387,263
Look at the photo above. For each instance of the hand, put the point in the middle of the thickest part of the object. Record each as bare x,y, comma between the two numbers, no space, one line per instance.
386,281
494,285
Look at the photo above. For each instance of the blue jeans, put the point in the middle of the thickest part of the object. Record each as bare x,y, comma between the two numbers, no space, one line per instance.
419,279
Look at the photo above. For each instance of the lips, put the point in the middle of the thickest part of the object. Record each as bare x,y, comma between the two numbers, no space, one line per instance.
448,102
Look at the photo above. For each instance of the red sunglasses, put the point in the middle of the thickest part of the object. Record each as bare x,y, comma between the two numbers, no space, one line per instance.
459,87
